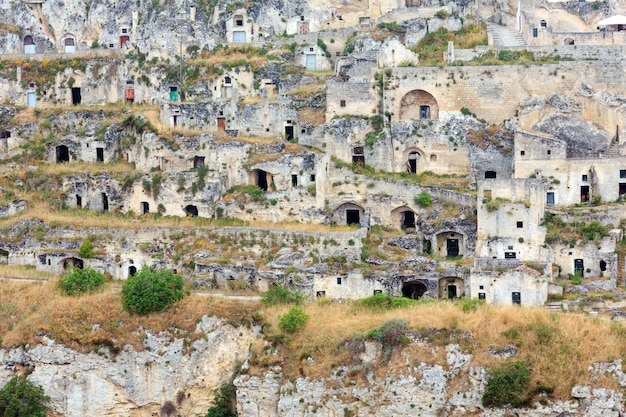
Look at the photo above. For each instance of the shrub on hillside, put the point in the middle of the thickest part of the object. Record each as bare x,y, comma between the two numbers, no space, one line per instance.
507,385
151,290
278,295
423,199
293,321
391,335
81,281
21,398
223,402
385,302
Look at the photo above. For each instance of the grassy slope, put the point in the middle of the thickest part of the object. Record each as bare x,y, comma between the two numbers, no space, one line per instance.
558,347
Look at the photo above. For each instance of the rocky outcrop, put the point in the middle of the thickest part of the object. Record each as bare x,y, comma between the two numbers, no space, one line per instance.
133,383
417,388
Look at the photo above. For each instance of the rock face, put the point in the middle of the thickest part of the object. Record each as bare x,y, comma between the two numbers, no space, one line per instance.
134,383
415,389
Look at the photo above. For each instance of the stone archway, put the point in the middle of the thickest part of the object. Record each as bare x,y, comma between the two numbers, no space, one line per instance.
348,214
450,244
72,262
404,217
418,105
451,288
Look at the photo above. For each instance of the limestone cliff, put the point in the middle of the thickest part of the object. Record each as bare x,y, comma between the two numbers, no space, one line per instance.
134,383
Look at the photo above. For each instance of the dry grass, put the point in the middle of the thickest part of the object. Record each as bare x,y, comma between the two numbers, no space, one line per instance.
24,271
75,167
312,117
558,347
91,321
307,90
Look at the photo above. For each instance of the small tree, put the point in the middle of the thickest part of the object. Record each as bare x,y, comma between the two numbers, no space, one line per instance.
21,398
293,321
80,281
150,290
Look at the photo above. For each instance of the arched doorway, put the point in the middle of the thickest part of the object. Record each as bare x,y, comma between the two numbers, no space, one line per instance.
349,214
132,270
451,288
72,262
404,218
419,105
191,211
450,244
62,154
69,43
413,161
413,289
29,45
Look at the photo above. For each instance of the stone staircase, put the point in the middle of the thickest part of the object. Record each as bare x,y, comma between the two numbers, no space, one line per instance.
504,36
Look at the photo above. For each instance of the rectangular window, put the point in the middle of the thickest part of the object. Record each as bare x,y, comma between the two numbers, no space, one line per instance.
481,295
239,22
550,199
481,287
549,152
509,255
622,173
342,103
312,177
310,49
585,178
520,225
338,280
522,153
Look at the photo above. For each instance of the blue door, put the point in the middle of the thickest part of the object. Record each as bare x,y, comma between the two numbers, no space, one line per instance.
32,99
239,36
311,64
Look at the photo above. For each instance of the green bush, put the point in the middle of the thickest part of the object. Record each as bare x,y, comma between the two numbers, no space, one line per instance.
223,402
150,290
507,385
81,281
278,295
21,398
385,302
423,199
593,231
293,321
86,249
